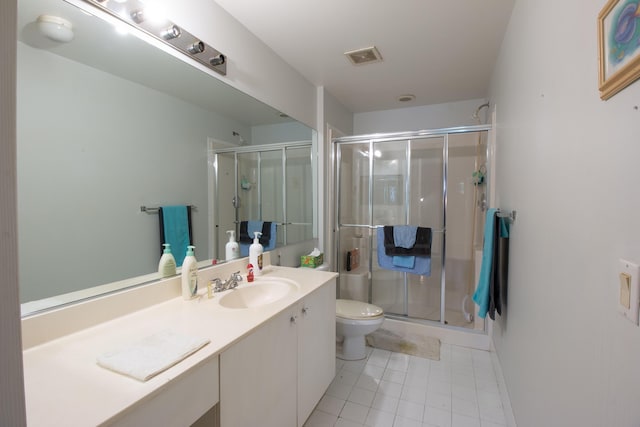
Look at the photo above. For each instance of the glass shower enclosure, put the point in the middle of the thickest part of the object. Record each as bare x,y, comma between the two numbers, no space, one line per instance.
428,179
272,182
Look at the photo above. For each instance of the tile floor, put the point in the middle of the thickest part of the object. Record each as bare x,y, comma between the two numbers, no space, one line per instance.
397,390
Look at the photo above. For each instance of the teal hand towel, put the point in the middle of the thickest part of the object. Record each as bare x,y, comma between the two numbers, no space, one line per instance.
175,223
481,296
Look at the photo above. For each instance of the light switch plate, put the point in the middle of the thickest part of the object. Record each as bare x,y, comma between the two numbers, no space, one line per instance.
628,285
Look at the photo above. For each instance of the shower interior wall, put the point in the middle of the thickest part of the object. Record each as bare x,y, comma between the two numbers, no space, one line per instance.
412,193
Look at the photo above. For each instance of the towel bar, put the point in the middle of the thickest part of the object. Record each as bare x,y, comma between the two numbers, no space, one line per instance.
150,211
510,215
375,227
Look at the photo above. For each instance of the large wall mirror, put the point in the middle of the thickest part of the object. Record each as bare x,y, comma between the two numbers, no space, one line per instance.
108,123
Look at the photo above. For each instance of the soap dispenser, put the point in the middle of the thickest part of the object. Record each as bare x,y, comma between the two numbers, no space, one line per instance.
255,254
232,249
189,274
167,264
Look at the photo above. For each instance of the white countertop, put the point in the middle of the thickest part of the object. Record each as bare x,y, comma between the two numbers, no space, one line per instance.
65,386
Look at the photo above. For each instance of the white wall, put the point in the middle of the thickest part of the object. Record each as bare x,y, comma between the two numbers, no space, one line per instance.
336,120
281,132
419,118
568,163
337,115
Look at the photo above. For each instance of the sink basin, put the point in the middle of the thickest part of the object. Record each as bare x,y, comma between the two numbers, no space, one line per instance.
261,293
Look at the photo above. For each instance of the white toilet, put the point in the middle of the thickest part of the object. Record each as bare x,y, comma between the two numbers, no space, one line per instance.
354,320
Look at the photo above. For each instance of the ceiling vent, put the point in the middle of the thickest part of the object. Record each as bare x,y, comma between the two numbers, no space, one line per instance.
364,56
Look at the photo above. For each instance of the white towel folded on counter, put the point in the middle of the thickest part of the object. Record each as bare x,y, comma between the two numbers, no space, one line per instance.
151,355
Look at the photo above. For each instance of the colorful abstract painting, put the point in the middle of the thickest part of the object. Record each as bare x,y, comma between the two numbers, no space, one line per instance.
619,45
624,34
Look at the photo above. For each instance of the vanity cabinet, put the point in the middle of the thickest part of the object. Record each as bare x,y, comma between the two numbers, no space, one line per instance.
316,348
277,374
257,382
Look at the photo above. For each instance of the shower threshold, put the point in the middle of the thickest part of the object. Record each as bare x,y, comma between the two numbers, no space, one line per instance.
449,334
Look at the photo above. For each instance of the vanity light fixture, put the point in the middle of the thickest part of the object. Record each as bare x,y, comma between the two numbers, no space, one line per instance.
137,14
172,32
218,60
55,28
197,47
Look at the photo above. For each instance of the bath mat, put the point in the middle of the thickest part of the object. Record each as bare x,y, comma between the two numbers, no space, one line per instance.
413,344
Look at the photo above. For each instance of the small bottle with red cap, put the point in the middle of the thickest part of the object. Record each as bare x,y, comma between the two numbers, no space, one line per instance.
250,273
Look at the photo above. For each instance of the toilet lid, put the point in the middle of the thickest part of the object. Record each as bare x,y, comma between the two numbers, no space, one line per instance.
351,309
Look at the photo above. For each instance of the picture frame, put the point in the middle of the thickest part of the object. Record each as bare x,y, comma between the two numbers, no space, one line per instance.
618,46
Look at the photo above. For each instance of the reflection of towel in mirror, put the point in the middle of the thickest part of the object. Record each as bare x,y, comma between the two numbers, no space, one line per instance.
267,240
175,229
247,229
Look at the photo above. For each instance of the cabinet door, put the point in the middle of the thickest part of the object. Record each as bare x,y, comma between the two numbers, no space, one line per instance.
316,347
258,377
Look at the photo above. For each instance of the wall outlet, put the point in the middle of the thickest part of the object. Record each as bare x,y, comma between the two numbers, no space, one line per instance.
629,290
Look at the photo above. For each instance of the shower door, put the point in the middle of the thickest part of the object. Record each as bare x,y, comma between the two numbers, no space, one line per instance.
408,189
425,178
394,182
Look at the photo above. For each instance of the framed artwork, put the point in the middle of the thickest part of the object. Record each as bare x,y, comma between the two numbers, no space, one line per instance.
618,46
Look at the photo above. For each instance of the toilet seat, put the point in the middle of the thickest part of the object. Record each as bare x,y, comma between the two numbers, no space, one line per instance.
358,310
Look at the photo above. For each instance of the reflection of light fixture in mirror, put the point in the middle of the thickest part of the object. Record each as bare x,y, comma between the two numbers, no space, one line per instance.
55,28
122,29
138,16
149,18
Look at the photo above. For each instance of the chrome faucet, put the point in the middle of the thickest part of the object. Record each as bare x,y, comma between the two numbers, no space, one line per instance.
224,285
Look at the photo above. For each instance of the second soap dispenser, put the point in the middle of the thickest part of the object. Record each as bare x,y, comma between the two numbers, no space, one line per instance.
189,273
255,254
232,249
167,264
